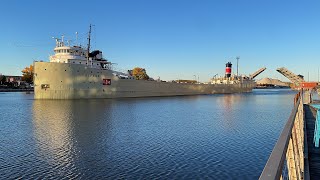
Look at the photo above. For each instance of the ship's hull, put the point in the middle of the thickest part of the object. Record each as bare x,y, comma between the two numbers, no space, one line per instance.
76,81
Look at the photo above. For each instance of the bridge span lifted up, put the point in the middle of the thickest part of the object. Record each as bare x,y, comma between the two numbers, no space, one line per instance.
295,79
259,71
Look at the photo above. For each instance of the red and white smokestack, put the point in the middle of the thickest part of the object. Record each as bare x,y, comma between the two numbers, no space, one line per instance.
228,69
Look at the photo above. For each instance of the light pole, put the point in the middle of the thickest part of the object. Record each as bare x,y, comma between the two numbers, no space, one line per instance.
238,57
195,77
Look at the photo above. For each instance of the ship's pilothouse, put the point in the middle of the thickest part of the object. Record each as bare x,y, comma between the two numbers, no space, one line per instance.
78,55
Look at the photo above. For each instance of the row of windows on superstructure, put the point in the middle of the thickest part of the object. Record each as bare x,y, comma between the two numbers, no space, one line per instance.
68,51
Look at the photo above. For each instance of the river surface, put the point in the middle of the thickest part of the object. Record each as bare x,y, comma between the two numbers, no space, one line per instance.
188,137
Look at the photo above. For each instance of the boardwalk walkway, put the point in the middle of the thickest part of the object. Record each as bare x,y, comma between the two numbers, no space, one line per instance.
313,152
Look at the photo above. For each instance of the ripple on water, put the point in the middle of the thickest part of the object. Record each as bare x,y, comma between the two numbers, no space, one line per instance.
196,137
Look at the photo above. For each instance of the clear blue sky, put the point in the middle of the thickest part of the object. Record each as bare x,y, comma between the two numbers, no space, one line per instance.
173,39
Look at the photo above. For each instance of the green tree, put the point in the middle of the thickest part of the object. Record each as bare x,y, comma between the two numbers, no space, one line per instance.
140,73
3,79
27,74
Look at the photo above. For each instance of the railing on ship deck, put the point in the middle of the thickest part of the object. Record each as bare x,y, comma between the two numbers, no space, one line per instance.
288,157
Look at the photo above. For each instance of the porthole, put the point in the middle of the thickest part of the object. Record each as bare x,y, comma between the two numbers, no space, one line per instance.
65,70
45,69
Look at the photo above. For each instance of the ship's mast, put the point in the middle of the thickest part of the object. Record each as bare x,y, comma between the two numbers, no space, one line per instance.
77,39
88,50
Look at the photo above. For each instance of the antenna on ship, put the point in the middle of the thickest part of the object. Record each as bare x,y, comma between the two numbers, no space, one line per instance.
57,41
88,50
77,39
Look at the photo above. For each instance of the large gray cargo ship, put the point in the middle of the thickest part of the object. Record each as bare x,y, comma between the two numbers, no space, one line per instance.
76,73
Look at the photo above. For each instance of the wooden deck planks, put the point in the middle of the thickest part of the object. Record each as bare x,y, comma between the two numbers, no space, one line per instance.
313,152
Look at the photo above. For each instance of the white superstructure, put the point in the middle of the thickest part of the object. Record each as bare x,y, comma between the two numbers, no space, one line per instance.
78,55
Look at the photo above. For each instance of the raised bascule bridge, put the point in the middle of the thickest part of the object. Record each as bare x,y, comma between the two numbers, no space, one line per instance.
259,71
297,80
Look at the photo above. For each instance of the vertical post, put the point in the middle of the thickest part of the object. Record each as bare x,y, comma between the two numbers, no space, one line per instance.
295,147
238,65
291,161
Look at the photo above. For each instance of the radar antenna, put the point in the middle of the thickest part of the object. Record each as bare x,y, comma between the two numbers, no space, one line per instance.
89,39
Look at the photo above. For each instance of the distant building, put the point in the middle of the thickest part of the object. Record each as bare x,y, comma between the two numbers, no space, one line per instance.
14,80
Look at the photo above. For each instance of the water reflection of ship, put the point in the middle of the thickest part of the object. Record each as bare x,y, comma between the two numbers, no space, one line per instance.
229,103
63,128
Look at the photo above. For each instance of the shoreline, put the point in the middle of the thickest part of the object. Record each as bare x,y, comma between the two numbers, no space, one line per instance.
16,90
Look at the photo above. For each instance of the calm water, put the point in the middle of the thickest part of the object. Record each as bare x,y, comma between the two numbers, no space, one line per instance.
192,137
